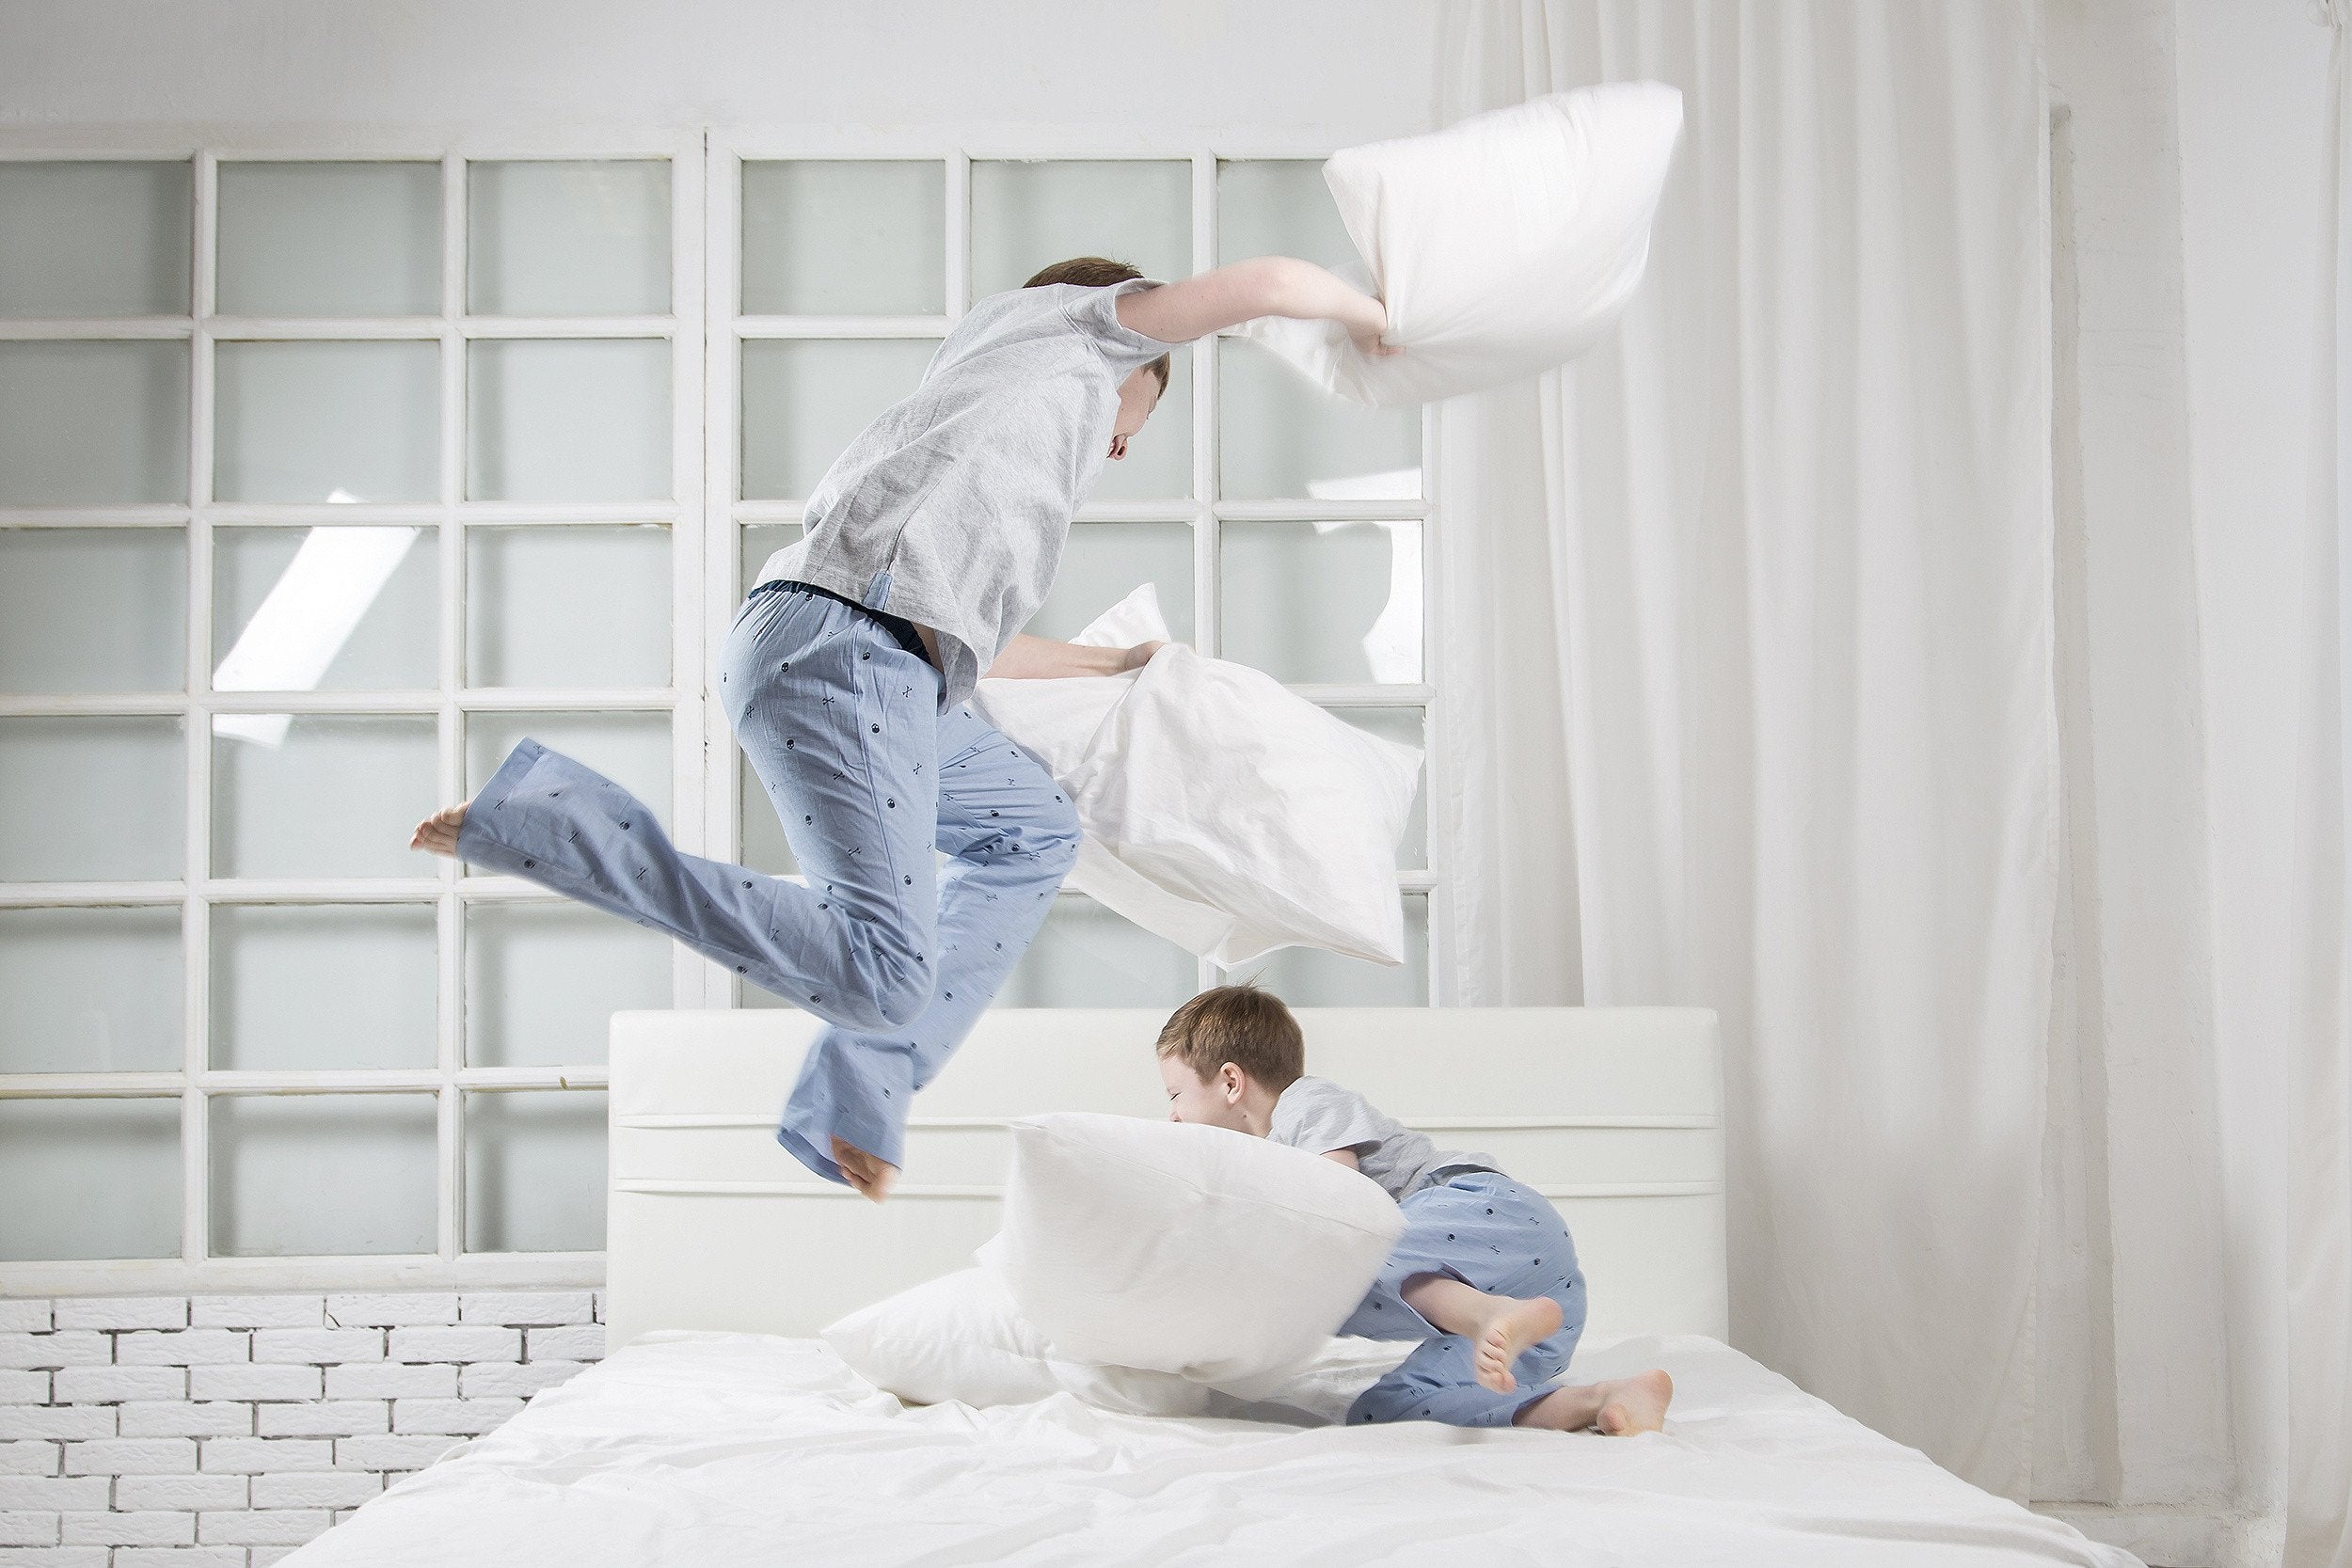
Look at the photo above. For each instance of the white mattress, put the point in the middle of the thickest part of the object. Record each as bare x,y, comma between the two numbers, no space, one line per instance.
715,1449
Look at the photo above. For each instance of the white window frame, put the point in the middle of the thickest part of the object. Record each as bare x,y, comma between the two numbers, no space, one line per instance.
704,521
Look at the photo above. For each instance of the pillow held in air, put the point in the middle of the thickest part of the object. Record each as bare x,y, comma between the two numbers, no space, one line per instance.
1504,245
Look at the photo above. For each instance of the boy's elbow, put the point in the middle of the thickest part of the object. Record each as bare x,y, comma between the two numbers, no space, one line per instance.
1276,285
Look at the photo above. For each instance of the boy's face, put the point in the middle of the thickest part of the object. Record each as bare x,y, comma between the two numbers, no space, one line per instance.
1137,396
1209,1102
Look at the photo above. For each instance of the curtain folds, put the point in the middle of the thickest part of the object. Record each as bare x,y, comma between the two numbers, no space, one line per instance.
1748,658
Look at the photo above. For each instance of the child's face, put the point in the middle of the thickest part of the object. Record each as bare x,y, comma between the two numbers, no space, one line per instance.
1137,396
1210,1101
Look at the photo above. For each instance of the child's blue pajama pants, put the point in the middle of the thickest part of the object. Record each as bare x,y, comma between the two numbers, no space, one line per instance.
1494,1235
841,721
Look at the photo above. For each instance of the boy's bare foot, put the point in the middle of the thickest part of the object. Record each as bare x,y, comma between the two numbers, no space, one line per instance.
869,1176
438,832
1633,1404
1619,1408
1512,1326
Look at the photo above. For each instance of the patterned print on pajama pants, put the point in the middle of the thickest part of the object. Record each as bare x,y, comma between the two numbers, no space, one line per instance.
900,956
1494,1235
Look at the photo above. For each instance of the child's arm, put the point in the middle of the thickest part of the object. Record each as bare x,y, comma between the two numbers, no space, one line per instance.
1345,1157
1244,290
1027,658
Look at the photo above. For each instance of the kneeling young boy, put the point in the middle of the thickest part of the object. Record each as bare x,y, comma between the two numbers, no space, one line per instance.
1485,1274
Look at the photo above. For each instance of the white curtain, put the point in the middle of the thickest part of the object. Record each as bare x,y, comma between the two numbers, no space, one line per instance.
2319,1142
1748,655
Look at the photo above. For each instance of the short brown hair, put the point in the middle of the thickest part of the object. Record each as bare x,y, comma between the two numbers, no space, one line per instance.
1097,272
1241,1024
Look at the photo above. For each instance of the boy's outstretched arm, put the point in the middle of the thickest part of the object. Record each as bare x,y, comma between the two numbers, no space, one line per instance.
1262,286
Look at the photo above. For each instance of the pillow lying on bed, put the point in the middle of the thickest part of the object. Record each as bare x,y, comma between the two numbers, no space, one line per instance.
1171,1248
960,1339
1502,246
1220,810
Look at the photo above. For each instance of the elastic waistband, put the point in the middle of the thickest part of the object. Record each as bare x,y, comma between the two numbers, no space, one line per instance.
900,629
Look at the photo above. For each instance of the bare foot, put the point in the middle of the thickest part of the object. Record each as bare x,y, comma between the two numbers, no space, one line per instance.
1633,1404
438,832
869,1176
1511,1328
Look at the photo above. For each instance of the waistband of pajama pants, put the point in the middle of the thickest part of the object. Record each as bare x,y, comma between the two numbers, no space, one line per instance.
900,629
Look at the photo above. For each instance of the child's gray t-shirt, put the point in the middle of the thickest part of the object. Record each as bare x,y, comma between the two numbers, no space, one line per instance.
963,490
1318,1116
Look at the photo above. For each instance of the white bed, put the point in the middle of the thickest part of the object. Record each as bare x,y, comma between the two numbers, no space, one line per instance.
719,1432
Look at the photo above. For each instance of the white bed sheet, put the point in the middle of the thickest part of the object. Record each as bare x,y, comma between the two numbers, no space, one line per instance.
738,1449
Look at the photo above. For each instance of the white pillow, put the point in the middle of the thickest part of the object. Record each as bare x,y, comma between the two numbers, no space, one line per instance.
960,1338
1225,1258
1502,246
1220,810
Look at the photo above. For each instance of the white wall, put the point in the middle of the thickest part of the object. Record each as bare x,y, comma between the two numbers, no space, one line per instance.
1342,69
2253,93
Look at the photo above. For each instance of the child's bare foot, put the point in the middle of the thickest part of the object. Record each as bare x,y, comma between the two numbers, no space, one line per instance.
1633,1404
869,1176
438,832
1619,1408
1509,1329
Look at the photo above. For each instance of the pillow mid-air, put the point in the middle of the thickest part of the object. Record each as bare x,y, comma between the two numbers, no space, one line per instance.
1502,246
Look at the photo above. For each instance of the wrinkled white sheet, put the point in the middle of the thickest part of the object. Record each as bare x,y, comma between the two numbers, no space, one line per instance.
707,1449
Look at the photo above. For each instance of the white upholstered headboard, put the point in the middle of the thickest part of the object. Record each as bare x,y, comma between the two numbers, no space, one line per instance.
1615,1114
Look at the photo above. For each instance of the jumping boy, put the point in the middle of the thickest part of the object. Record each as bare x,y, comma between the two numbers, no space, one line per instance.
1485,1274
928,544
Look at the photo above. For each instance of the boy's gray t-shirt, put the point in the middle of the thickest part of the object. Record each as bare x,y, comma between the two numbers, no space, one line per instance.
1318,1116
963,490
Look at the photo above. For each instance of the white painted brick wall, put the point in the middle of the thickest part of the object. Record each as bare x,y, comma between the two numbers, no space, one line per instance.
226,1431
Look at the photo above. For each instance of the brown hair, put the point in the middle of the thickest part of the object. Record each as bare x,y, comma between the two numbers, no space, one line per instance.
1097,272
1241,1024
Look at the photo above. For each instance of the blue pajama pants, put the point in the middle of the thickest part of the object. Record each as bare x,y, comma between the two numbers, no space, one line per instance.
897,954
1494,1235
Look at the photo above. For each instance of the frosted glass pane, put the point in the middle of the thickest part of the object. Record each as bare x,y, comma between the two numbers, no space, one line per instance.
1336,602
1086,956
88,423
92,799
1309,977
1404,726
309,986
760,541
90,990
1158,465
1104,562
330,238
351,608
534,1171
116,1164
544,980
569,419
556,607
630,749
1026,216
1281,207
862,238
803,402
319,795
93,238
93,610
568,239
317,1175
765,847
328,421
1279,437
